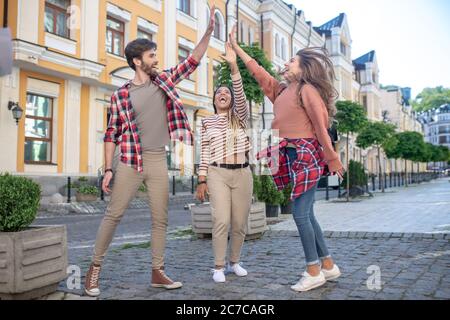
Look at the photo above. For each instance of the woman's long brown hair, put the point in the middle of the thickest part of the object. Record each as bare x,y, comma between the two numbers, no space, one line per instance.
318,71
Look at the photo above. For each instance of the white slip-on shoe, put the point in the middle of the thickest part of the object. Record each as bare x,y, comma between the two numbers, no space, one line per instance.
219,275
308,282
237,269
332,274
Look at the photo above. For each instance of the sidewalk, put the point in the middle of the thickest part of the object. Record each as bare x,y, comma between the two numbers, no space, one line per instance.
95,207
423,208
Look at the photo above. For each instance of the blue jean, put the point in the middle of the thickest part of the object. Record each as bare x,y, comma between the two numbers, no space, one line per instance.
309,229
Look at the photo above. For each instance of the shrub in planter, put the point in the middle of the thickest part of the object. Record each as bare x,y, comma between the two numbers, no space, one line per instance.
82,180
286,203
33,259
358,178
87,193
256,187
19,202
142,192
269,194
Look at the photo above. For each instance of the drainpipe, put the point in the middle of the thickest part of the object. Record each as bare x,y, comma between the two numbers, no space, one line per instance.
237,20
293,32
226,19
5,14
262,48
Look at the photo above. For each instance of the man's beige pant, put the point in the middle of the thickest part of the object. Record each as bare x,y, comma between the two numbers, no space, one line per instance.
126,182
230,194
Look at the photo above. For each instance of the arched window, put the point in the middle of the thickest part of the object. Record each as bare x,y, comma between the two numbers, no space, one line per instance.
219,28
283,49
277,45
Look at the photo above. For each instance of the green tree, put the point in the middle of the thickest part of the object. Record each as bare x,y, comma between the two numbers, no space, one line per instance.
444,154
350,118
376,134
431,98
409,145
252,89
424,155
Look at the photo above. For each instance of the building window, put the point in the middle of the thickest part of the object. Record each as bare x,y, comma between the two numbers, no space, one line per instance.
185,6
183,54
142,34
250,36
283,49
277,45
444,139
38,129
115,36
56,17
343,49
364,101
219,28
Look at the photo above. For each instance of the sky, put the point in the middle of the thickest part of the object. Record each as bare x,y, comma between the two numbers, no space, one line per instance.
411,38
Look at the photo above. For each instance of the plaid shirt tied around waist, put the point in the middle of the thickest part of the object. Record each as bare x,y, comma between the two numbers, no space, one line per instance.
305,171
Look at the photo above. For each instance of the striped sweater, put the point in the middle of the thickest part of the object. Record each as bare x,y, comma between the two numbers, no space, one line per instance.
215,129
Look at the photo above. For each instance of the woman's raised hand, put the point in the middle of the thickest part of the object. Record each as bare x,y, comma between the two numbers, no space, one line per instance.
232,37
230,55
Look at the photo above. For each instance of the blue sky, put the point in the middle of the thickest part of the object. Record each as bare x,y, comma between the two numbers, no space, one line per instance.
411,37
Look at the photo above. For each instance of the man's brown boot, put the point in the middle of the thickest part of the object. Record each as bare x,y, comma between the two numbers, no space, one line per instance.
161,280
91,286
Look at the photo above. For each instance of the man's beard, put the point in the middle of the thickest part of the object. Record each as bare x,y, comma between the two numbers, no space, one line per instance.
148,69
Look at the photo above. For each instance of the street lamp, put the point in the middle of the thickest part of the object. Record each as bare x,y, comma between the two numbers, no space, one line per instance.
16,110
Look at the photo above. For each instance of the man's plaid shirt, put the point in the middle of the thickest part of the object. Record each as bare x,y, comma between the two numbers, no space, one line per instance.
304,172
122,128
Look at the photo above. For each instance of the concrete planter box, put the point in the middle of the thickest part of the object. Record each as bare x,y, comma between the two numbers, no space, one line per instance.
141,195
202,220
32,262
81,197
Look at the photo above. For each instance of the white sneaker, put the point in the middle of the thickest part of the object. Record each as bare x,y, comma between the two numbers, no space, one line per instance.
238,270
219,275
332,274
308,282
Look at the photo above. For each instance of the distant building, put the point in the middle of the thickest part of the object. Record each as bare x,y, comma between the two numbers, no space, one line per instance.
396,109
436,124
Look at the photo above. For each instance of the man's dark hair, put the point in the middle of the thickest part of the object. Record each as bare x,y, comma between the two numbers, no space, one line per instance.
136,48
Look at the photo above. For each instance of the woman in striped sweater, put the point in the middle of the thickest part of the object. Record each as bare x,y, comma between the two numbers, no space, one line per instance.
224,173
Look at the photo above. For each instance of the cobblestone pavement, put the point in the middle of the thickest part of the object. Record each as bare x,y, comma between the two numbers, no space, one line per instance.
418,208
400,238
410,267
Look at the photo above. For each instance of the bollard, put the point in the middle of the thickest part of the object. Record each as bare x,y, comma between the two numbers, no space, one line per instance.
173,185
367,183
339,187
68,189
327,195
102,193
